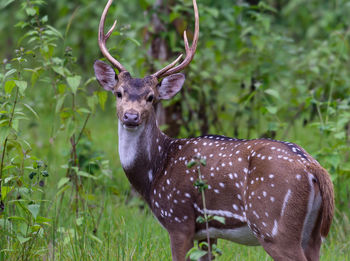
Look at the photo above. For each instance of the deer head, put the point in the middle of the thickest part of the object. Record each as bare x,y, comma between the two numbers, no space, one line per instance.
136,97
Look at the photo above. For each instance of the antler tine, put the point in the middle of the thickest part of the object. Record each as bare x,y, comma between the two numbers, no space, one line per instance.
166,68
190,51
102,38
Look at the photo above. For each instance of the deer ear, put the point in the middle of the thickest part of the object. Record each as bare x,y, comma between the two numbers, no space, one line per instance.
170,86
105,75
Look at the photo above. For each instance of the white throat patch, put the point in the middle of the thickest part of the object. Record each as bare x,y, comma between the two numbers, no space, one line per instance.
128,144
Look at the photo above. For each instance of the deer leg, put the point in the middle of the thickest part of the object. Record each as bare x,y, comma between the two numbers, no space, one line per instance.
312,250
181,243
284,242
279,252
313,245
205,248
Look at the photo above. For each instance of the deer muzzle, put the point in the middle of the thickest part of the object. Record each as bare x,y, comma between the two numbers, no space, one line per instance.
131,119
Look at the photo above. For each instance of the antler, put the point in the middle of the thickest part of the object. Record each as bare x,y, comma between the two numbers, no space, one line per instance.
102,38
190,51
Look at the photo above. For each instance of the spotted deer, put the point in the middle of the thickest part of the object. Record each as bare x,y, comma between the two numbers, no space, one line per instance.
271,193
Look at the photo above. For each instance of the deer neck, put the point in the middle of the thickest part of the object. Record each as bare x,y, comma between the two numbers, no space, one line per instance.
142,154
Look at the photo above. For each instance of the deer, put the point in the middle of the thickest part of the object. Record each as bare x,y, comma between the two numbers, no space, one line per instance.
270,193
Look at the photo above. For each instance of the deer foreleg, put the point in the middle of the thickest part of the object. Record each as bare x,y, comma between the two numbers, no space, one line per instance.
181,243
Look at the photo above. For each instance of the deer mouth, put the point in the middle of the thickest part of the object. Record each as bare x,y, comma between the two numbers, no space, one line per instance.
131,126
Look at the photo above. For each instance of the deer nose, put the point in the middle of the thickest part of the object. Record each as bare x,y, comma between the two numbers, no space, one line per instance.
131,119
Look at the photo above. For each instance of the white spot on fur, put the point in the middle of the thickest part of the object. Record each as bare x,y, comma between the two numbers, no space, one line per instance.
150,175
275,228
285,201
222,213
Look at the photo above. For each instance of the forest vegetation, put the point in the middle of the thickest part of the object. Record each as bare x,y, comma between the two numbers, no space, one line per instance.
275,69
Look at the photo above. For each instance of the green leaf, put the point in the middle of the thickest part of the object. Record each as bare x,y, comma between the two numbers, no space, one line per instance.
203,244
62,189
197,254
102,98
5,190
95,238
4,132
79,221
62,182
5,3
92,101
5,223
85,174
219,219
9,86
55,31
201,185
83,110
272,109
137,43
18,219
59,103
22,240
32,110
264,6
34,209
200,220
74,82
213,11
10,72
191,164
22,86
30,11
59,70
273,93
43,220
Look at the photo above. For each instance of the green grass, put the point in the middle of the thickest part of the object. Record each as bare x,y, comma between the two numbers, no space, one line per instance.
110,223
129,233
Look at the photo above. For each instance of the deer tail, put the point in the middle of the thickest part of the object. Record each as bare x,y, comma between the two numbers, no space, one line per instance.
327,193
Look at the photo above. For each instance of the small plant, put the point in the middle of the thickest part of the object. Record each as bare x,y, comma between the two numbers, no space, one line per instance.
204,248
22,175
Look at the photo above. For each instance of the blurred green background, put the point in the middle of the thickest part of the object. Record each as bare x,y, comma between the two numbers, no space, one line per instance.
276,69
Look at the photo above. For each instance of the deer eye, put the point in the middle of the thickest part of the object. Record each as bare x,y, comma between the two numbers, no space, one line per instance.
150,98
119,94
